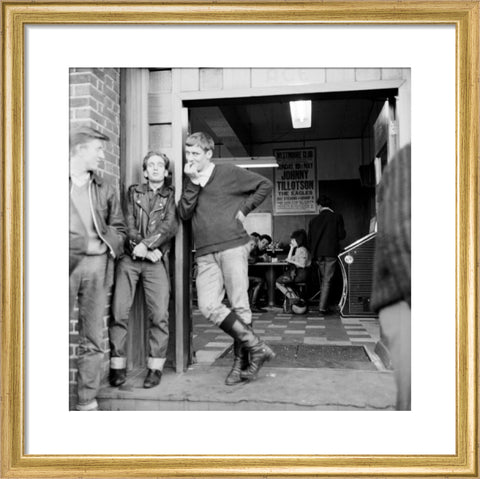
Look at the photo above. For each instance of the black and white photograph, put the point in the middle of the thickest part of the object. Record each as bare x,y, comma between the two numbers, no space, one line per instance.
269,253
239,239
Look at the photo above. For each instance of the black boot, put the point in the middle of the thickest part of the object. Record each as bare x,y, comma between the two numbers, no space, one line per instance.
258,350
240,362
117,377
258,355
153,378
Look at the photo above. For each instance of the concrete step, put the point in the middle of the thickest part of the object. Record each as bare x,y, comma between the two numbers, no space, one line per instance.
202,388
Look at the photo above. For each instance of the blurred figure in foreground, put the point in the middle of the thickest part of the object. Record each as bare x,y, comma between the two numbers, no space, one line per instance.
391,295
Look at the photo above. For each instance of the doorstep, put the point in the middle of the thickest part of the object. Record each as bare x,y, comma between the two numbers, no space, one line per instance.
202,388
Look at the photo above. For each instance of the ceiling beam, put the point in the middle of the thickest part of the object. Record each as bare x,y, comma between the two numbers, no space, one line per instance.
220,127
242,130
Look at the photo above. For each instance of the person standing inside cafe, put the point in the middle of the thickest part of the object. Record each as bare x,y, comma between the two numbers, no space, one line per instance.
218,198
324,234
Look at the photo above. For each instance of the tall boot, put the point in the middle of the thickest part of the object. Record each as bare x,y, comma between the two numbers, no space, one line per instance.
240,362
258,350
259,353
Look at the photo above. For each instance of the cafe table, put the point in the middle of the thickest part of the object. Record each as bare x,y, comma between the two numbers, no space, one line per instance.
273,269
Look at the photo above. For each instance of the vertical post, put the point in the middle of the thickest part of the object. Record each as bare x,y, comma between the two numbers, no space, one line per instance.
134,145
182,249
135,136
404,110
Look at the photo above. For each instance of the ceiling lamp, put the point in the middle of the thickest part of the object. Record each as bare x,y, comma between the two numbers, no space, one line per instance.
248,161
301,112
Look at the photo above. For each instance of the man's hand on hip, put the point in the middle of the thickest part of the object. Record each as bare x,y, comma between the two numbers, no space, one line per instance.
240,216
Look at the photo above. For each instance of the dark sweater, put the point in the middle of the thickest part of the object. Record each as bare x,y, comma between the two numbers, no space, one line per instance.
213,208
324,234
392,268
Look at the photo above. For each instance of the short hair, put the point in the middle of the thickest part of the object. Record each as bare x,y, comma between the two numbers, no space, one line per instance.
255,234
201,139
300,236
267,237
85,134
325,201
151,153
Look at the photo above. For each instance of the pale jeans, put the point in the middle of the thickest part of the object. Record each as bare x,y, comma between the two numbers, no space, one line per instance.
220,273
395,324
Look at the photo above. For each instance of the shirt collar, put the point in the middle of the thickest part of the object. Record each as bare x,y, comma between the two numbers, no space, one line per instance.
145,188
325,208
205,174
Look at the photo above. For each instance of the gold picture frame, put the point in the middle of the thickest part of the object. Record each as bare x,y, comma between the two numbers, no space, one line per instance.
464,15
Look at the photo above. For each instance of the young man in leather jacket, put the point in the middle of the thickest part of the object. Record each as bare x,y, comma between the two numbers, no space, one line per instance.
152,223
97,234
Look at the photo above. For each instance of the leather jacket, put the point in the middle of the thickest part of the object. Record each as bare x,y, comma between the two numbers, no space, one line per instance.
154,229
107,218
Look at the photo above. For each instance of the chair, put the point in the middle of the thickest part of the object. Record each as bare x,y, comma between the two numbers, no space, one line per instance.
301,289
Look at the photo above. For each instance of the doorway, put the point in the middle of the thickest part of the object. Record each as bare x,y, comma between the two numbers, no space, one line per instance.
342,135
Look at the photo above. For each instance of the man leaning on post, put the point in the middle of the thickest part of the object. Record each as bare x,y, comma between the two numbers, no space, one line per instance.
218,198
97,233
152,223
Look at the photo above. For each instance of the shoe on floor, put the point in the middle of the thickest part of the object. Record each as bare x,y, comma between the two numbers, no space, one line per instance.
117,377
257,309
153,378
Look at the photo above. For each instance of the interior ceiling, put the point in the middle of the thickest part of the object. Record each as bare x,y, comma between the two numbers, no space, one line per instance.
239,125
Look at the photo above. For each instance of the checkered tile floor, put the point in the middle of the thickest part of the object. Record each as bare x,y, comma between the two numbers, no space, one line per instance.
210,342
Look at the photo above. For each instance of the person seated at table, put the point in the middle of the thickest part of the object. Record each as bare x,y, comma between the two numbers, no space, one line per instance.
299,260
261,246
256,278
254,239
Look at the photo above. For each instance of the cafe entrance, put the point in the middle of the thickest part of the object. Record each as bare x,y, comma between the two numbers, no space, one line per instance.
247,112
337,156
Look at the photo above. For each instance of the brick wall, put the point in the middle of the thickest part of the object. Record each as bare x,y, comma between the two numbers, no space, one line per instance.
95,102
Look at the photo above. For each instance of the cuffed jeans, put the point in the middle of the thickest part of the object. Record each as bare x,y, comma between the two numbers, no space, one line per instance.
90,281
326,270
156,286
217,273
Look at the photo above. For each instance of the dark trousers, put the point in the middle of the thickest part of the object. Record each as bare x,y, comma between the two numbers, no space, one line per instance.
256,285
90,281
156,286
326,270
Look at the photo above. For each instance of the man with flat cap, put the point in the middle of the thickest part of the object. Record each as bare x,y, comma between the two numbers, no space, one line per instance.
97,233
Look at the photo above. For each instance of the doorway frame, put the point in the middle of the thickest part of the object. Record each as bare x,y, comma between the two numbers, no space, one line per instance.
179,134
